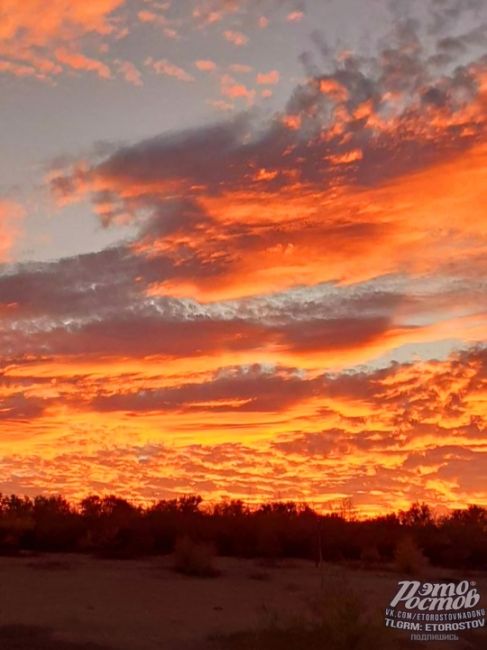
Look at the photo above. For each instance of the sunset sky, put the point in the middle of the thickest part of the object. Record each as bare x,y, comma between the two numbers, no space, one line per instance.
243,250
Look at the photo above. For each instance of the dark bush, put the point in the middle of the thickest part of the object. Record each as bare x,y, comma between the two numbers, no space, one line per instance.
112,527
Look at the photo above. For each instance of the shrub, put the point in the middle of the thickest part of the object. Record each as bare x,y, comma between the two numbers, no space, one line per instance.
13,528
194,558
110,526
409,558
370,555
262,576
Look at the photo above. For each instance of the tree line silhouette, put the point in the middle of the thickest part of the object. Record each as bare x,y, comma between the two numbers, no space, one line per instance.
113,527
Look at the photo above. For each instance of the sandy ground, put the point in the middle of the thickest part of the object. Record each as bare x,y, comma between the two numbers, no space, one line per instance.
66,602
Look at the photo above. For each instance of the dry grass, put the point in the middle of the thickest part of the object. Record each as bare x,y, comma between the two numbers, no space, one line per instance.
31,637
370,556
262,576
336,619
194,558
50,564
409,558
146,605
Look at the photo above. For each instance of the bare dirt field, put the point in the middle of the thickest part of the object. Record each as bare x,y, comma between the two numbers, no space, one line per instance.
74,602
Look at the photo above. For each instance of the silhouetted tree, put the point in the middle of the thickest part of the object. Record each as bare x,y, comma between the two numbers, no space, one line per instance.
110,526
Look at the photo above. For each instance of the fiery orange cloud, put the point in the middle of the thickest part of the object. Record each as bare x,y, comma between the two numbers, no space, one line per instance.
234,90
165,67
159,19
419,447
205,65
240,68
130,72
299,308
340,206
10,216
268,78
295,16
236,38
31,31
39,24
412,217
79,61
335,90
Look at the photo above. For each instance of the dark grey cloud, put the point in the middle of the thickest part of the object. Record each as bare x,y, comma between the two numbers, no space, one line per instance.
178,239
339,442
240,389
411,403
101,304
224,156
445,14
19,408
